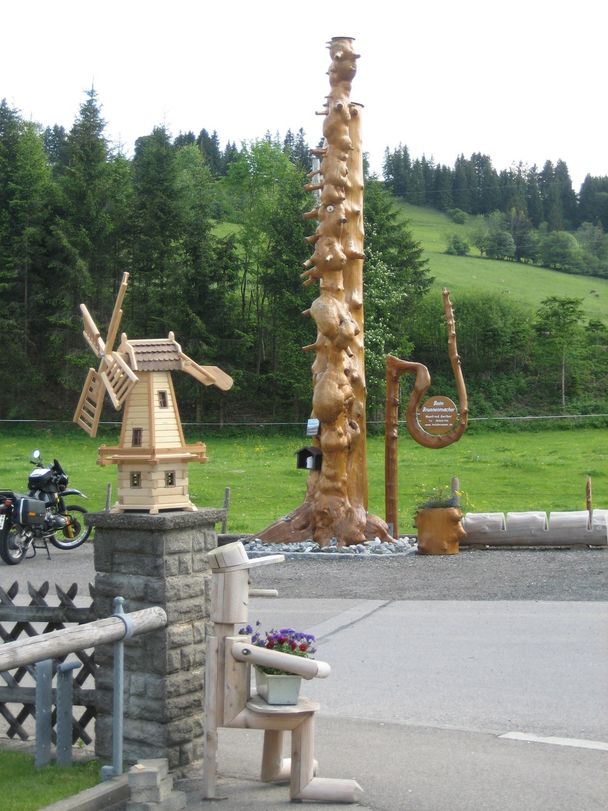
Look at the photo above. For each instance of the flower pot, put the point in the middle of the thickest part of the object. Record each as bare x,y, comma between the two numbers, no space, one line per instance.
279,689
439,531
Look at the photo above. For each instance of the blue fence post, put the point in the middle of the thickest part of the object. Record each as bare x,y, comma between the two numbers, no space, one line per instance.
44,700
118,696
65,705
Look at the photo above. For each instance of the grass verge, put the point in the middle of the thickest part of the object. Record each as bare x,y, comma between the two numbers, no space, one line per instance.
498,470
23,787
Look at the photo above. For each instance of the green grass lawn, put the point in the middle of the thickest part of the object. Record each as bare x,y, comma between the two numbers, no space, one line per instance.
25,788
498,470
522,283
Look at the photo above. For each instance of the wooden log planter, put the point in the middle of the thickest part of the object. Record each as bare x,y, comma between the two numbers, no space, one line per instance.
575,528
440,531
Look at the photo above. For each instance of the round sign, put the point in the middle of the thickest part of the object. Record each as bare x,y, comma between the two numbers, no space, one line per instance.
438,415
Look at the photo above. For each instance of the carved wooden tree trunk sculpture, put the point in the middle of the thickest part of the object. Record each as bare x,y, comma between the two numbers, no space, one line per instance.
336,499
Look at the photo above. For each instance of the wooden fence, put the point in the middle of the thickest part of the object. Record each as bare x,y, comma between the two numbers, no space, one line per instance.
17,623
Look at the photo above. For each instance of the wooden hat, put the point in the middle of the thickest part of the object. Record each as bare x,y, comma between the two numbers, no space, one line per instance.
232,557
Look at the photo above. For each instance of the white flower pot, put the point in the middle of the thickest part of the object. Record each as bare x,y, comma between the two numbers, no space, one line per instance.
280,689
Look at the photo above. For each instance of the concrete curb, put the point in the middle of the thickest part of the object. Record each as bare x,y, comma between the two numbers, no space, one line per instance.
112,794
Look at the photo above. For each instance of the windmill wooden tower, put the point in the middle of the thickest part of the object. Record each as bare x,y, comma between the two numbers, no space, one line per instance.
152,456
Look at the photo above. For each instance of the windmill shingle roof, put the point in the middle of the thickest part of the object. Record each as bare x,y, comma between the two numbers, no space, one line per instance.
156,355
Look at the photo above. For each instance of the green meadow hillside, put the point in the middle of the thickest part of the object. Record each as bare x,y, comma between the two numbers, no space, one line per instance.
522,283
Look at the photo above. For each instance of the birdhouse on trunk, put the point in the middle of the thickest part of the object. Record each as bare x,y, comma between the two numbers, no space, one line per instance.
152,455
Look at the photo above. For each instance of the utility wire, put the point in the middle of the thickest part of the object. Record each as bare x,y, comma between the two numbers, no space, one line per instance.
259,424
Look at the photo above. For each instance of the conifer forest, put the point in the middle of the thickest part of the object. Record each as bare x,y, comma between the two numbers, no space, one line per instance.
213,237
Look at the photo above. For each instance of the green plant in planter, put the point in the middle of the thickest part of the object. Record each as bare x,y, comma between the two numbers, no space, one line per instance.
439,497
283,640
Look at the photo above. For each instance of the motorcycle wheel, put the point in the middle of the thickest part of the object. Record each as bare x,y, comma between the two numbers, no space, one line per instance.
12,548
60,537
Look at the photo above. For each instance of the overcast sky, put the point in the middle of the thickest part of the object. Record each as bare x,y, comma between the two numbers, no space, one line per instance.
518,81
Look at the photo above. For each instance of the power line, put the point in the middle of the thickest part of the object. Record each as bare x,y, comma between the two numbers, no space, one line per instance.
260,424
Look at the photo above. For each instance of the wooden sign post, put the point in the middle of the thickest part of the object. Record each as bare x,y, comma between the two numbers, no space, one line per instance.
433,423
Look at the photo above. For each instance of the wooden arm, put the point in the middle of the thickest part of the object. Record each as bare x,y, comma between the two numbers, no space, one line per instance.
307,668
207,375
91,333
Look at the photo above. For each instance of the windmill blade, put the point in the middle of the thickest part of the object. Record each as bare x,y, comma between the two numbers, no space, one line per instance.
88,410
116,313
118,378
207,375
91,333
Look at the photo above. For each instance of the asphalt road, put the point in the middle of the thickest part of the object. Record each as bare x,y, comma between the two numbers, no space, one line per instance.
474,682
506,574
493,574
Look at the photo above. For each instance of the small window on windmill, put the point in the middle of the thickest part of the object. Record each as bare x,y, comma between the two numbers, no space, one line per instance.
169,478
162,399
136,479
136,437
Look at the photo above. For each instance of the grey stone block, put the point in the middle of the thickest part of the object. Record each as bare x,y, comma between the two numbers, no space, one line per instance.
156,688
171,567
155,592
190,658
148,773
185,587
139,565
198,632
179,545
180,635
113,585
175,802
186,610
182,683
146,731
137,684
133,751
200,520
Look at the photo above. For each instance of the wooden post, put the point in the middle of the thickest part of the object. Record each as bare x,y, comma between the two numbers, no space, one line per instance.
455,488
589,502
302,757
226,508
211,720
391,434
44,699
275,769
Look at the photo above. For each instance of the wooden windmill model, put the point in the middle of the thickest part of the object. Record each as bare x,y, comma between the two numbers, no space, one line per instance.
152,456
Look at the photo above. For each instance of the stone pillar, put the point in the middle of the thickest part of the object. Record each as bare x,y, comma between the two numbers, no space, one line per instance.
156,560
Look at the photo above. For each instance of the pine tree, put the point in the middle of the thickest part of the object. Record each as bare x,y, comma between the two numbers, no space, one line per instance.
210,147
534,201
462,184
85,195
156,227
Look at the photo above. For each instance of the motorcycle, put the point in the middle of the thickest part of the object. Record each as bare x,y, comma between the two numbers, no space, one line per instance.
41,515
